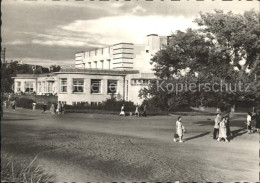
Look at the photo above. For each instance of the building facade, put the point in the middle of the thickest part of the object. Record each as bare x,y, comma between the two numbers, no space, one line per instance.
120,70
126,56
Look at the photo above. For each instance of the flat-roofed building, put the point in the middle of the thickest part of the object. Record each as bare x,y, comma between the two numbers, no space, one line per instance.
122,56
122,69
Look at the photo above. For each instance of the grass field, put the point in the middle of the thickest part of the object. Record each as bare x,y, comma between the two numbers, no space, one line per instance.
95,147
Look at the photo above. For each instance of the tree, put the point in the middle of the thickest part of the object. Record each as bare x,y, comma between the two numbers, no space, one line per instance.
210,54
9,70
55,68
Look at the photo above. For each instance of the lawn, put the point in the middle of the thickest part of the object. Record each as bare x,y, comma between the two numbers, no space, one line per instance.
103,147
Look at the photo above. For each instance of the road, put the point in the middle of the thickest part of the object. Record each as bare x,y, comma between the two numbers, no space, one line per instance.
95,147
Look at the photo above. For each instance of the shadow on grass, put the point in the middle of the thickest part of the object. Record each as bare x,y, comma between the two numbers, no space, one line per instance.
233,123
237,133
20,119
197,136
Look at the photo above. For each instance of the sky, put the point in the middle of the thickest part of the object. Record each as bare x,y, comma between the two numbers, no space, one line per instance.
46,32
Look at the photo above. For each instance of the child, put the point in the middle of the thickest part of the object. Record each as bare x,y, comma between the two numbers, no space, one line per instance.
223,129
179,130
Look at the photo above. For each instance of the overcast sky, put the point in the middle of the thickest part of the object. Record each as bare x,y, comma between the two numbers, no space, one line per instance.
46,32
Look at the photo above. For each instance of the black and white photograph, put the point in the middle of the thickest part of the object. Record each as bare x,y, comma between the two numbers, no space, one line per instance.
130,91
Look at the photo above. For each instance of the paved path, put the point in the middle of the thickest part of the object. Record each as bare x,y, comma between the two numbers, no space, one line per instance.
86,147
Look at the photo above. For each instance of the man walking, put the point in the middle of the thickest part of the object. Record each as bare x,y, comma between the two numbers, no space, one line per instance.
216,126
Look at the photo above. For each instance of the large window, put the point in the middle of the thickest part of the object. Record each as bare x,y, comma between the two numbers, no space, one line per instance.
78,85
95,85
112,86
28,87
43,87
49,87
63,85
40,87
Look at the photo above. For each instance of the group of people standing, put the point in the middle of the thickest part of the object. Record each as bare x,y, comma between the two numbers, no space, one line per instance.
9,103
136,113
221,127
58,108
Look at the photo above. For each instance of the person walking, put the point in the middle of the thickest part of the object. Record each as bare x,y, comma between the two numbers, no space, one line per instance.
223,129
248,122
33,106
59,108
137,111
229,133
14,105
216,126
179,130
62,107
257,121
122,112
52,109
144,113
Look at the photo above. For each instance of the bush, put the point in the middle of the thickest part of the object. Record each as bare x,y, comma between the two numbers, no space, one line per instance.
108,105
17,169
24,103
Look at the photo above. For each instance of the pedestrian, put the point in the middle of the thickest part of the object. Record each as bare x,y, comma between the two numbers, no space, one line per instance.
248,122
179,130
257,121
13,104
52,109
137,111
8,103
122,112
62,107
144,113
33,106
59,108
229,133
44,108
216,126
223,129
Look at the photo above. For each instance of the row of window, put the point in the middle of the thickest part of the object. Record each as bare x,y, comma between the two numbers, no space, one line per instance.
95,86
28,87
45,87
140,82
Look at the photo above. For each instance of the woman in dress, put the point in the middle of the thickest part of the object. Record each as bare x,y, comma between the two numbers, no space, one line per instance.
122,113
248,122
59,108
179,129
223,129
52,109
137,111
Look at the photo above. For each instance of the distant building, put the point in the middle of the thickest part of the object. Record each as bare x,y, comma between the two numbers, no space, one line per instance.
120,70
127,56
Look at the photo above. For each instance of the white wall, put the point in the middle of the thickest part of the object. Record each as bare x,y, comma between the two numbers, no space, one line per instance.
87,96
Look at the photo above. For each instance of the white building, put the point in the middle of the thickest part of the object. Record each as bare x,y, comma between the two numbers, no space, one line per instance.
121,69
